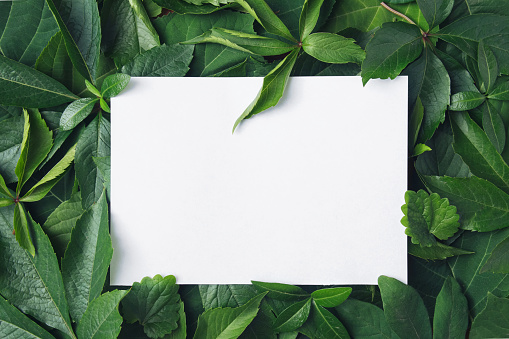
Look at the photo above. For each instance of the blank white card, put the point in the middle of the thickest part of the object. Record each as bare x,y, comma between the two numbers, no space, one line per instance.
307,192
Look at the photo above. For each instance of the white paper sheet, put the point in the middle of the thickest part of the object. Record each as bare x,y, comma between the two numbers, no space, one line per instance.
308,192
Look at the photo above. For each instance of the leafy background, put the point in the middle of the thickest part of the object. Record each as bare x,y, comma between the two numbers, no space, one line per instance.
62,60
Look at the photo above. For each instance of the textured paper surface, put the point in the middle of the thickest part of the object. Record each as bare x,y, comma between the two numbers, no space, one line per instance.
308,192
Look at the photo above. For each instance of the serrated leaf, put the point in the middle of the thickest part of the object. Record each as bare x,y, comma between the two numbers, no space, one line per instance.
25,42
451,312
155,304
493,321
181,331
76,112
488,66
493,125
322,324
227,322
331,297
213,296
473,145
114,84
309,17
283,292
293,317
437,251
161,61
465,101
16,325
102,318
21,229
23,86
435,11
333,48
500,90
272,89
404,309
32,284
498,261
11,130
183,7
461,80
393,47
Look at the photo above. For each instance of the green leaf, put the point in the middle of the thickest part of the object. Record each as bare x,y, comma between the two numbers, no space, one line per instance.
181,331
499,259
114,84
127,30
43,186
245,42
102,319
293,317
331,297
104,165
272,89
104,105
155,304
153,9
461,80
393,47
24,42
500,90
488,66
32,284
227,322
281,292
61,221
493,126
210,2
322,324
465,101
182,7
309,17
37,142
473,145
15,325
492,322
437,251
94,142
364,320
161,61
76,112
332,48
404,309
435,11
92,89
266,17
3,188
213,296
11,131
419,149
21,229
451,312
427,217
466,268
23,86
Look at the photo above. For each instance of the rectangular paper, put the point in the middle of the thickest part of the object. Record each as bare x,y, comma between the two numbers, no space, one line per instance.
308,192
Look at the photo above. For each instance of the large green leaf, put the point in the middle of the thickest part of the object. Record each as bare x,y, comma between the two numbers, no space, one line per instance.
94,142
214,296
87,258
493,321
331,297
494,127
435,11
499,259
451,312
161,61
437,251
500,90
333,48
114,84
322,324
11,131
32,284
309,17
466,268
467,7
473,145
465,101
461,80
23,86
24,42
393,47
127,30
102,318
404,309
21,230
488,66
76,112
293,316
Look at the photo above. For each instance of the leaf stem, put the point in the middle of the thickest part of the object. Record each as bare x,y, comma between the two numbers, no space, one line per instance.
384,5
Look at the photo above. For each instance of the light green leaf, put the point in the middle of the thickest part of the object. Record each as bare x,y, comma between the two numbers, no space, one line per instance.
332,48
394,46
244,42
21,229
419,149
465,101
488,66
3,188
92,89
32,284
437,251
43,186
23,86
493,125
322,324
451,312
293,317
104,105
227,322
183,7
404,309
493,321
213,296
16,325
331,297
76,112
473,145
102,319
161,61
114,84
181,331
435,11
499,259
309,17
281,292
500,90
155,304
272,89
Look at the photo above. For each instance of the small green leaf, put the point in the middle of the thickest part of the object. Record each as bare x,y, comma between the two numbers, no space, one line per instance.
333,48
4,202
293,317
437,251
155,304
104,105
435,11
281,292
76,112
419,149
245,42
488,66
451,312
322,324
104,165
272,89
492,322
3,188
427,217
465,101
498,261
92,89
213,296
114,84
500,90
309,17
415,123
331,297
182,7
493,125
21,229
